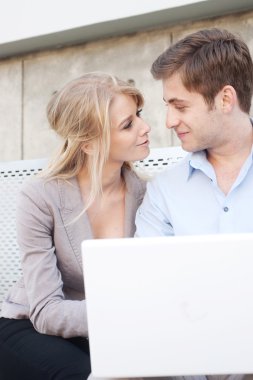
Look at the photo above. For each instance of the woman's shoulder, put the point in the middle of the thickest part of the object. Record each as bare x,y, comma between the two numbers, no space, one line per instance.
40,191
55,192
38,184
134,183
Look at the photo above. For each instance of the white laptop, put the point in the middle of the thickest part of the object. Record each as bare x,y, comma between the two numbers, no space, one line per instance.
170,306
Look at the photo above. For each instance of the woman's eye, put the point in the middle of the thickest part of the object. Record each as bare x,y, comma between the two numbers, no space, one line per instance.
129,125
138,113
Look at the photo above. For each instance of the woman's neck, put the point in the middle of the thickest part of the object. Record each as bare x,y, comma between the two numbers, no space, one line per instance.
112,180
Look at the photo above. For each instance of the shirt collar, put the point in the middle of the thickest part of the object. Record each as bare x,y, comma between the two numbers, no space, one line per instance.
198,161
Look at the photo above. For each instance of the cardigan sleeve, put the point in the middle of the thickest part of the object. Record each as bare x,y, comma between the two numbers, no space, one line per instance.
49,312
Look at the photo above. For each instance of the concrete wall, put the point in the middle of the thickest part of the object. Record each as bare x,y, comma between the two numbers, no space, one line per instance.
27,82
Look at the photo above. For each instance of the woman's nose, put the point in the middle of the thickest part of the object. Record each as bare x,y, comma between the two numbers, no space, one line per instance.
145,128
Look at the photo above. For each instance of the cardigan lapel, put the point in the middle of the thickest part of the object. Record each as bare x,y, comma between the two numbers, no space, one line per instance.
133,198
75,221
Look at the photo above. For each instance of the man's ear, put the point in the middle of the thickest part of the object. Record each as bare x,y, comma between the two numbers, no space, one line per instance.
228,98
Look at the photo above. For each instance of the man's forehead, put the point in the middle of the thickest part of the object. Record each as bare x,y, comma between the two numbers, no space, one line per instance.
174,91
174,86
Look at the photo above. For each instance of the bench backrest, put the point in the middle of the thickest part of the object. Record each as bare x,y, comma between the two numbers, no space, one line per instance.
13,174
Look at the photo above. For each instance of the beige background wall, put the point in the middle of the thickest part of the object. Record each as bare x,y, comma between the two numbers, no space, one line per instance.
27,82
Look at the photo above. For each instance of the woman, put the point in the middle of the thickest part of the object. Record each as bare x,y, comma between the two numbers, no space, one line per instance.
88,191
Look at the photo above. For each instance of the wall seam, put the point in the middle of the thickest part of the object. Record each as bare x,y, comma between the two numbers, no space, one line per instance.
22,109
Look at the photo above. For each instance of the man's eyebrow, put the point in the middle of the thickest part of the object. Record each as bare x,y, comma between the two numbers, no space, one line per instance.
174,100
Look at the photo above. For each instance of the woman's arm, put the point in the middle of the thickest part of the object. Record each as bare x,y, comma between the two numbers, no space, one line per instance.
50,312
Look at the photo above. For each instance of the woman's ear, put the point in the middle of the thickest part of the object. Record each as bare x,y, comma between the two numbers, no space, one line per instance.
228,98
87,148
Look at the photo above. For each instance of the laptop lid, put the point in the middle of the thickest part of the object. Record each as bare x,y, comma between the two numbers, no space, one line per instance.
169,306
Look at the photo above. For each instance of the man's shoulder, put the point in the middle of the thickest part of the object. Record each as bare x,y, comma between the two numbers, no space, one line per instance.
179,170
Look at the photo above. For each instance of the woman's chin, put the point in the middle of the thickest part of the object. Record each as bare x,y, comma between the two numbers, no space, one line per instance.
145,152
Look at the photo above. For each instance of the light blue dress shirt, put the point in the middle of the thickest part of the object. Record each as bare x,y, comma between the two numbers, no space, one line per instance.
186,200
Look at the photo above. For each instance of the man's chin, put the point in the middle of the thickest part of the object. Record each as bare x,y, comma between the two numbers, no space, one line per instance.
191,149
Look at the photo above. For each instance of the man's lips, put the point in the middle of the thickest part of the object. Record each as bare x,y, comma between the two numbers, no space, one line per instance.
181,135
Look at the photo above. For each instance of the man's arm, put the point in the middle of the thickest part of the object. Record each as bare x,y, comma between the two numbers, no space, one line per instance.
152,218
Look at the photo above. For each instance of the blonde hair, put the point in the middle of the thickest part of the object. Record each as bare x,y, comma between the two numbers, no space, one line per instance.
79,114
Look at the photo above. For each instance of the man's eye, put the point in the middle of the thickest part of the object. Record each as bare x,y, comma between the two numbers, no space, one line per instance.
180,108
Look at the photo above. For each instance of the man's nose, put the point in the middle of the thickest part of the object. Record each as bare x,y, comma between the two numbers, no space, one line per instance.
172,119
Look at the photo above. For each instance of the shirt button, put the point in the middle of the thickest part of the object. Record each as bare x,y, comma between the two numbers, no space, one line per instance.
226,209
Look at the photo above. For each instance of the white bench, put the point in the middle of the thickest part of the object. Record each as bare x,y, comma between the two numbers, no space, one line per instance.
12,175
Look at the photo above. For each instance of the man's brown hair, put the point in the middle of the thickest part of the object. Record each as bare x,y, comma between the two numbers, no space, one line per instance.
208,60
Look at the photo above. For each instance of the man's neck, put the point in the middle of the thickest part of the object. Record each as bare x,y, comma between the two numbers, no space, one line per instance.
228,159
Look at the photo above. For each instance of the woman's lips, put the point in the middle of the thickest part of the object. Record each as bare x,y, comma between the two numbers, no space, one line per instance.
146,142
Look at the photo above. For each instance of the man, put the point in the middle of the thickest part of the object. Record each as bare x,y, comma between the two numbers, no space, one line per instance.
207,82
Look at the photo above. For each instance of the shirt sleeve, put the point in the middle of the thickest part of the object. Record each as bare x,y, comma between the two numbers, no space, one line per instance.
50,312
153,217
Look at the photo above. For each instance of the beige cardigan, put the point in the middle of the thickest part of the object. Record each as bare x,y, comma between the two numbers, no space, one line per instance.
51,291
